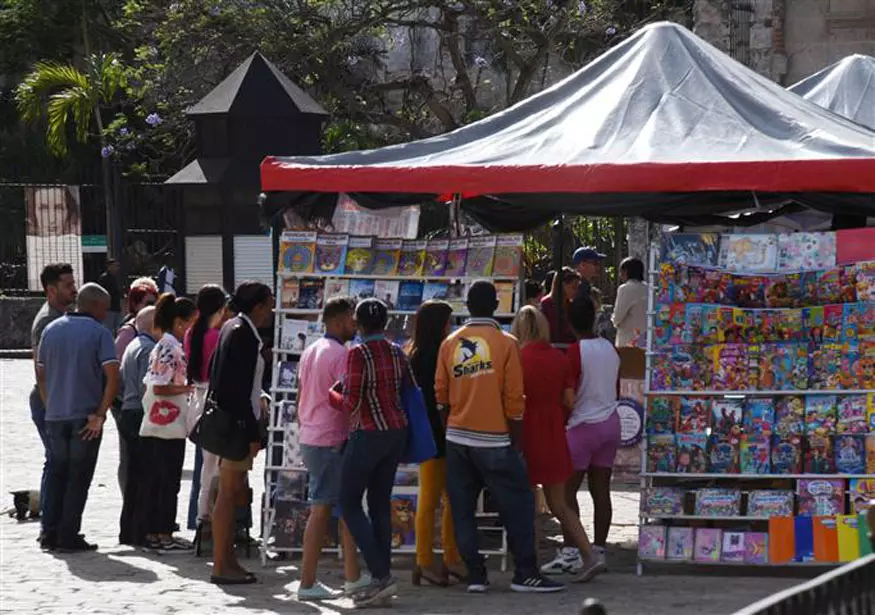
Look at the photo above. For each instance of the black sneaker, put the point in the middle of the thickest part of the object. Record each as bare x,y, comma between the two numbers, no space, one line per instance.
378,593
48,542
77,545
536,584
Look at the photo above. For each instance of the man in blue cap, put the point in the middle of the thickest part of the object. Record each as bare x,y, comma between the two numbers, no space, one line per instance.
588,263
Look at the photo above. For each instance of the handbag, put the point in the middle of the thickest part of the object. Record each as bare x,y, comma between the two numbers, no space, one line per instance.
420,439
220,433
164,416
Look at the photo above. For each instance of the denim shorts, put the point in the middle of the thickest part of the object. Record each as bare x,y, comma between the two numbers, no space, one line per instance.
323,466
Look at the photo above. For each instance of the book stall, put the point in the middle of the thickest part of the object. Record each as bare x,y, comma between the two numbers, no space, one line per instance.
760,418
316,267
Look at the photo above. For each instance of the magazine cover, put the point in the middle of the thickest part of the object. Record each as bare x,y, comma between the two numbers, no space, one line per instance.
749,253
331,253
759,415
289,293
694,415
691,453
336,288
829,286
504,290
290,521
651,542
294,335
435,291
852,414
311,294
718,502
862,494
870,453
730,367
733,547
818,455
410,295
666,501
767,503
806,251
755,454
708,542
724,451
850,454
782,291
508,256
297,252
387,254
665,284
403,521
288,375
662,415
412,261
481,255
821,496
436,257
820,414
790,416
457,257
361,289
360,256
457,294
679,544
862,277
691,248
825,367
661,453
859,321
787,454
756,548
387,292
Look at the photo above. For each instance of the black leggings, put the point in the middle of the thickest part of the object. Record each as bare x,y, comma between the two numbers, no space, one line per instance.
161,472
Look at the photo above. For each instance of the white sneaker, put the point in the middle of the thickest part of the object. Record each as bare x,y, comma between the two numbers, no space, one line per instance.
600,553
351,587
567,560
319,591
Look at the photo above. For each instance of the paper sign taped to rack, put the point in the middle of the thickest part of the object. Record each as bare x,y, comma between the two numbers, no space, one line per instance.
349,217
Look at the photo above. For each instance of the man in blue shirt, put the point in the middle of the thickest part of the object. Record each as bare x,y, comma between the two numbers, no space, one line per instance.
78,377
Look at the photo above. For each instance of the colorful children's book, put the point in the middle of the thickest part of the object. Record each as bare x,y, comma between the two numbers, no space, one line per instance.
724,454
701,249
803,539
311,294
336,288
806,251
481,255
289,293
331,252
862,277
691,453
662,414
859,321
726,416
790,416
759,415
664,501
821,496
829,286
708,542
826,540
749,253
679,546
436,257
833,323
755,454
813,323
387,292
848,537
508,256
861,494
819,455
287,376
410,295
412,260
290,521
787,454
297,252
820,414
360,256
387,255
661,453
779,293
850,454
403,520
457,257
730,367
733,547
435,291
770,503
361,289
718,502
782,542
665,283
756,548
825,367
504,291
694,415
651,542
870,453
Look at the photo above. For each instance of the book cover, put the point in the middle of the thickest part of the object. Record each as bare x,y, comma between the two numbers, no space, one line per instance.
850,454
651,542
457,256
311,294
755,454
803,539
782,542
861,277
861,494
756,548
336,288
820,414
849,541
724,454
661,453
504,290
435,291
825,367
331,253
410,295
661,415
664,501
749,253
829,286
790,416
662,325
806,251
826,540
733,547
770,503
726,416
859,321
297,252
833,323
759,415
820,496
289,523
436,257
870,453
412,262
694,415
677,321
746,291
863,535
679,544
508,256
665,283
707,545
870,412
387,291
288,375
691,248
481,254
787,454
289,293
819,455
730,367
361,289
692,453
457,294
403,520
360,256
315,331
293,336
718,502
782,291
387,254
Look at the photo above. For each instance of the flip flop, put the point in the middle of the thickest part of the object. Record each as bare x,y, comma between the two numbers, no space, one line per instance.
249,579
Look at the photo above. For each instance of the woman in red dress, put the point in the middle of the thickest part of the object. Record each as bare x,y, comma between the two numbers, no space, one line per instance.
549,398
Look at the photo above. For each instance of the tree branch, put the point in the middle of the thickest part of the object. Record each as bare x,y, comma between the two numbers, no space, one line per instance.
463,80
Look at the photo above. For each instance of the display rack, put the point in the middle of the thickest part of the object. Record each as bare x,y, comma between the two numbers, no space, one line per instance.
282,440
742,483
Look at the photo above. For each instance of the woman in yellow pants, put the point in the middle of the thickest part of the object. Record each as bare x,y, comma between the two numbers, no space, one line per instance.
431,327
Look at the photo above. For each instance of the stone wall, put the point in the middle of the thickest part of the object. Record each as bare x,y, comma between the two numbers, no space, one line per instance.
16,317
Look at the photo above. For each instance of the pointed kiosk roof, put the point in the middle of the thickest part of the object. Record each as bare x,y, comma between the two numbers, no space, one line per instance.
846,88
257,88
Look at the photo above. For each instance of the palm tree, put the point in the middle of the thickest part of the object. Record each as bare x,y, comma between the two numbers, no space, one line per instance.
60,93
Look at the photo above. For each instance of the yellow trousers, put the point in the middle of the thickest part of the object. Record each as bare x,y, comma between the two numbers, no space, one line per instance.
433,489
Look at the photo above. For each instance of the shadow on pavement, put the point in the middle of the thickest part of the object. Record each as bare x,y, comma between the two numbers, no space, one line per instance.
100,567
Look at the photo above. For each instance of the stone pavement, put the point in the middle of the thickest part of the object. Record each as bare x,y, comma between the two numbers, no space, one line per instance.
118,579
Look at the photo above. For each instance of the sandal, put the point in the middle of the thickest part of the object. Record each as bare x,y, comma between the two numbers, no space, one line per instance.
421,574
247,579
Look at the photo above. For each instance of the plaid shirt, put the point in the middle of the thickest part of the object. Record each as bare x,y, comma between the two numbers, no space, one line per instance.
376,371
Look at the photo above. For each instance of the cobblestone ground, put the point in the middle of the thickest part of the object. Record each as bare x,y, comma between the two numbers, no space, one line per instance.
118,579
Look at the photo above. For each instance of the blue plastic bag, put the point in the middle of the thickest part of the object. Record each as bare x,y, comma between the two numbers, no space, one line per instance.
420,439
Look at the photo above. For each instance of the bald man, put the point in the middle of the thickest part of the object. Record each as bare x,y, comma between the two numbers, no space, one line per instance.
135,364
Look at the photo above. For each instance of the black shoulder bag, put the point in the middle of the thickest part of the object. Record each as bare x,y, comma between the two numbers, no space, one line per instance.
220,433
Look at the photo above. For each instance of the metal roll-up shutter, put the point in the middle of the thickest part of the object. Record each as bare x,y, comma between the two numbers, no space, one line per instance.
252,259
203,262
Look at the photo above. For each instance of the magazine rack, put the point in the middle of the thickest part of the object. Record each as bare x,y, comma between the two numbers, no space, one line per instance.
812,532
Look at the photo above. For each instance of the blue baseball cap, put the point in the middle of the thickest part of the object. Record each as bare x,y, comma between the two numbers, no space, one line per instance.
583,255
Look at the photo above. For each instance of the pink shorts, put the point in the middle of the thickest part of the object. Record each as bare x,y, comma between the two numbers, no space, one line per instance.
594,445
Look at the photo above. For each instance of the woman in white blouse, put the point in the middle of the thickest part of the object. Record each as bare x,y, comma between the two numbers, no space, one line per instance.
630,308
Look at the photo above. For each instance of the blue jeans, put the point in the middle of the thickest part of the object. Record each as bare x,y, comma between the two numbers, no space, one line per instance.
38,416
70,474
195,488
503,472
370,461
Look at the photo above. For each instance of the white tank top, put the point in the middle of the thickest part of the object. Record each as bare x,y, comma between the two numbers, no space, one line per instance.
596,396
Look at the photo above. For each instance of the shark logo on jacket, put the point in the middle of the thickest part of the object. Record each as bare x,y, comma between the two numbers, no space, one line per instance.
472,357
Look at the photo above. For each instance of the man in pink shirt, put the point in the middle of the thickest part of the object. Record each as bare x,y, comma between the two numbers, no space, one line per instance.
323,434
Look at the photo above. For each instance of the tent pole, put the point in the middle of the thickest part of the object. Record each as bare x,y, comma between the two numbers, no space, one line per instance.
455,215
558,235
